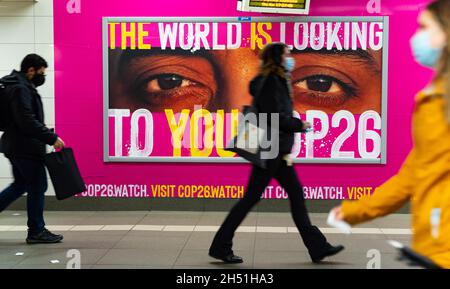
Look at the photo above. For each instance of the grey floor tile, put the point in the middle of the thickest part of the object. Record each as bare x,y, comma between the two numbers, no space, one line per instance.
280,259
13,245
280,214
128,267
72,213
48,266
404,239
244,235
177,219
391,260
320,220
275,220
275,223
327,265
394,217
14,248
67,218
88,234
216,266
221,214
211,221
55,221
18,236
8,257
139,257
202,241
322,223
293,236
307,265
393,224
113,218
199,241
189,250
12,221
44,256
279,244
387,261
251,220
157,234
362,245
176,213
11,212
362,260
97,233
99,220
151,243
200,258
216,219
39,266
114,214
356,237
85,242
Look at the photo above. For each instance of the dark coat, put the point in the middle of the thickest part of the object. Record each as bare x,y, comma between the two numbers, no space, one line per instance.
272,95
26,134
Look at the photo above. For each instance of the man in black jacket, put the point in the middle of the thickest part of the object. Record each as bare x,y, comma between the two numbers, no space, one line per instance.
23,143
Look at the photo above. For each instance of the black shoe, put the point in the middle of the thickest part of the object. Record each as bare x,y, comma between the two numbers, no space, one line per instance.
44,237
332,250
229,259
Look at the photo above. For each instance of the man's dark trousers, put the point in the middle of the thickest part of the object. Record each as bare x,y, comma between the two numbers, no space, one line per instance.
29,177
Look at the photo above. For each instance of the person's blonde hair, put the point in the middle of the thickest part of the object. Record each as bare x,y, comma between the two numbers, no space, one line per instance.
441,10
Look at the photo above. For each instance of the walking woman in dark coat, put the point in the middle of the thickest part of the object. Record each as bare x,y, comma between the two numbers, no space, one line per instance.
272,94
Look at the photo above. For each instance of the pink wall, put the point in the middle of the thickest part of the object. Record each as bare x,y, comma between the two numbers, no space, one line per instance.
79,93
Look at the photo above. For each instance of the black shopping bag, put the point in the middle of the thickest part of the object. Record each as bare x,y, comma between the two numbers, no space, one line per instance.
64,173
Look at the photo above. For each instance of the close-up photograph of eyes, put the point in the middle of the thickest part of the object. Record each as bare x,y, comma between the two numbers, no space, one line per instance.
159,81
326,80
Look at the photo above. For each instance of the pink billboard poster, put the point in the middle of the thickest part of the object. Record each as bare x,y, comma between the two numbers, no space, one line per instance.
149,93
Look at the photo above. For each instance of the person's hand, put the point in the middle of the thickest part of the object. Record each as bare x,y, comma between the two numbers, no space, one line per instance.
306,125
339,215
59,144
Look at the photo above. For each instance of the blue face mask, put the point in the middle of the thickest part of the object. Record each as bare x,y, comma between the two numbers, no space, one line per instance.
289,63
423,52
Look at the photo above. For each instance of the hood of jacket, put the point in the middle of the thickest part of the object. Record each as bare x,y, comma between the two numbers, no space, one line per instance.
16,77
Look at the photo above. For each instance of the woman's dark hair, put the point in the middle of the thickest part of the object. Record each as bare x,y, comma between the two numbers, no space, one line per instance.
272,59
32,61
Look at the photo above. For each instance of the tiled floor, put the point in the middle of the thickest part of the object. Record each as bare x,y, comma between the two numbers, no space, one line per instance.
181,240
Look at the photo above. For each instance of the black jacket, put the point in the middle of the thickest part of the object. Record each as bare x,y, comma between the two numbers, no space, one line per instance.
272,95
26,134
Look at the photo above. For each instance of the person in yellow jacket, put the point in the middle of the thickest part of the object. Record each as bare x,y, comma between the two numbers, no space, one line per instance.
424,178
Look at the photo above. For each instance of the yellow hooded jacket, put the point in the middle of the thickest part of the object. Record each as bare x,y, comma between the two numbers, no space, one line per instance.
424,180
